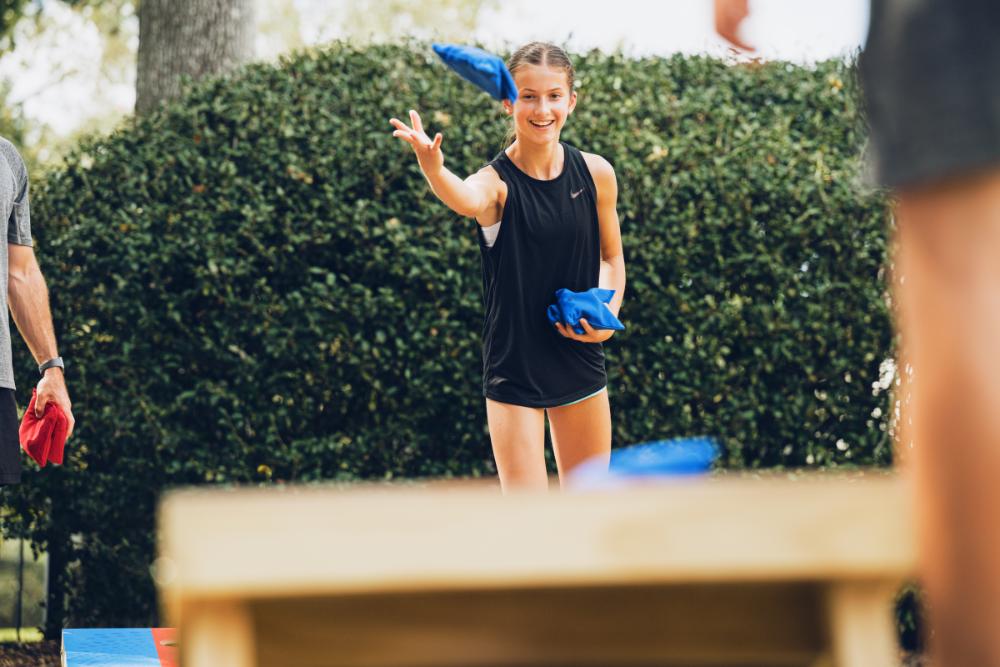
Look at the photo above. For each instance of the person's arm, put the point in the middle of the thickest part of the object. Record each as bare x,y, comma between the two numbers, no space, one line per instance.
470,197
729,15
612,275
28,298
612,255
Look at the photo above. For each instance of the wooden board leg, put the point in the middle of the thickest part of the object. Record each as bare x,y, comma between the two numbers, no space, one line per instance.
862,629
217,634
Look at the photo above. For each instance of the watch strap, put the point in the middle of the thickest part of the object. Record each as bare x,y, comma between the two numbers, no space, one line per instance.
54,362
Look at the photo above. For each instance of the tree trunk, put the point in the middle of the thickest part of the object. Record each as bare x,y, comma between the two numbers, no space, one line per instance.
193,38
55,573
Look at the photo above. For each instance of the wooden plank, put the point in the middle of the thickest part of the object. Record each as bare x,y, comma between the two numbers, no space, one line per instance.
862,623
218,633
460,536
728,625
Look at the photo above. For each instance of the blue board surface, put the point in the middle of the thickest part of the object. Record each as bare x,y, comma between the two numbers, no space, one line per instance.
109,647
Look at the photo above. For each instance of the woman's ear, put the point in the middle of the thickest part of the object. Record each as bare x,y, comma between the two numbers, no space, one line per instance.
572,101
508,107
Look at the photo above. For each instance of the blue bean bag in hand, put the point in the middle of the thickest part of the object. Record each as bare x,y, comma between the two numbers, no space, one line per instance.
481,68
571,306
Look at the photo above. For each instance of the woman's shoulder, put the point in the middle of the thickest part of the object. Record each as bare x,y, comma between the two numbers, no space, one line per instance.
600,170
597,164
499,159
14,160
489,173
489,178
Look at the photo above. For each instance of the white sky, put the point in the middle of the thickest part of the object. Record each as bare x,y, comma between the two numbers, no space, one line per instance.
56,76
796,30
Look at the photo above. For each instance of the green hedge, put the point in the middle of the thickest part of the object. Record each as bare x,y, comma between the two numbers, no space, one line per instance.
255,286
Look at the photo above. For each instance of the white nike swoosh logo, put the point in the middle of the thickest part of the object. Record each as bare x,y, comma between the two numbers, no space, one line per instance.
574,195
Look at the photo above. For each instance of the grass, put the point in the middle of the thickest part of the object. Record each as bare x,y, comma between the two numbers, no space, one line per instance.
33,594
27,635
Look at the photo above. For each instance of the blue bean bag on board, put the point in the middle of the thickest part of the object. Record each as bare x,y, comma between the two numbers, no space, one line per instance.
651,462
481,68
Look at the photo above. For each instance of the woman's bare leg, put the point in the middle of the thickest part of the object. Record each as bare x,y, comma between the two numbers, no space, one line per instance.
580,432
518,437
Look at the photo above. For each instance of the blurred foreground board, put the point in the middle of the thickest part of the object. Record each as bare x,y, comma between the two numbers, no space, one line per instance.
718,571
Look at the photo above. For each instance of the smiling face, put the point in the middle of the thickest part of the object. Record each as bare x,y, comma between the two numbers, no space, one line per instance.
544,102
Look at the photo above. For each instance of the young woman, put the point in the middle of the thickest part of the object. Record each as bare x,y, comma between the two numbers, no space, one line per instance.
547,220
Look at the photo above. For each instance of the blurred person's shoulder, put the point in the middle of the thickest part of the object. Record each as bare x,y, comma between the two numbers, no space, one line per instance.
12,156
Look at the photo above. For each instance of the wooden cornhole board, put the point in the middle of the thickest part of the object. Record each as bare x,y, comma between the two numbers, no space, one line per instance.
727,571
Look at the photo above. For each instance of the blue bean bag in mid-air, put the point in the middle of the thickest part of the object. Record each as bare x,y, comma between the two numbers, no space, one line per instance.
482,68
571,306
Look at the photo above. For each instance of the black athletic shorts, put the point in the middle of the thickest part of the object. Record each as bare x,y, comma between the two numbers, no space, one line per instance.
10,446
931,75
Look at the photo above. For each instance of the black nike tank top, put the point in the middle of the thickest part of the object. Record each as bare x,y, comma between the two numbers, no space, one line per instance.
549,239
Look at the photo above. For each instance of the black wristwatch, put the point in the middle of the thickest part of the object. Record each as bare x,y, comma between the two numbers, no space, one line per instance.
54,362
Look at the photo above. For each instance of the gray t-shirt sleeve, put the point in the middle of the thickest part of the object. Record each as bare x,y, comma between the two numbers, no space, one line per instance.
19,225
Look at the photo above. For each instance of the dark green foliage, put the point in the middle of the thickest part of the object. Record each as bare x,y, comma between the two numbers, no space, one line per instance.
755,257
10,13
910,614
255,285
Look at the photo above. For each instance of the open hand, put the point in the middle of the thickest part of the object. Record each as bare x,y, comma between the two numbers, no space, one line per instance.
428,151
590,335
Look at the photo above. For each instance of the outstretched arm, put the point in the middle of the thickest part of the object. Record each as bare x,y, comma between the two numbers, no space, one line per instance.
470,197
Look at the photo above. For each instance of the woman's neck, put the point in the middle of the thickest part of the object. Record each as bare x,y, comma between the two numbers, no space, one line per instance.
541,161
